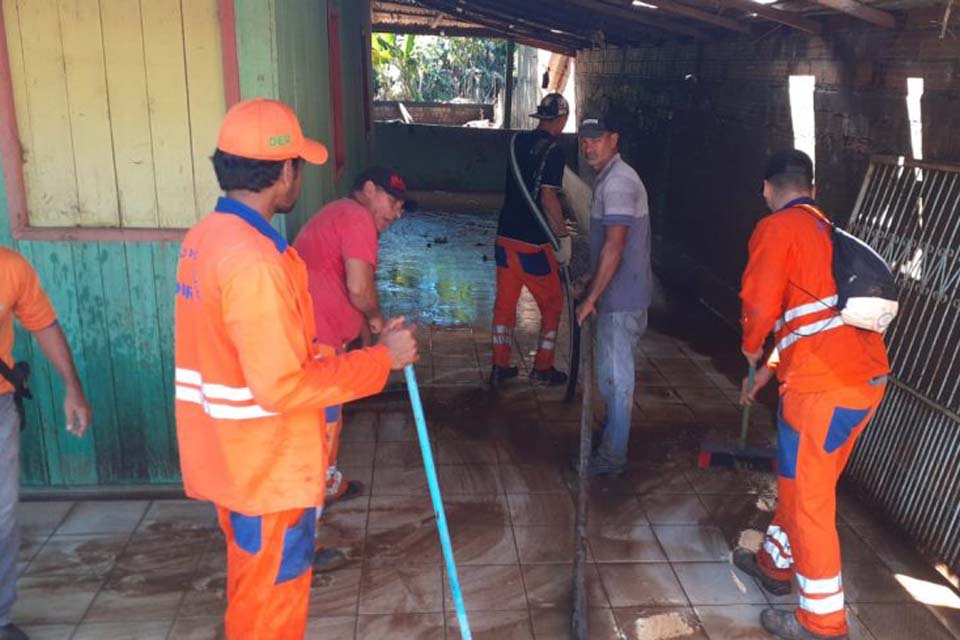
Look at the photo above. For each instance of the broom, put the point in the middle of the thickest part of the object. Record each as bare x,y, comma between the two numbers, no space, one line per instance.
716,452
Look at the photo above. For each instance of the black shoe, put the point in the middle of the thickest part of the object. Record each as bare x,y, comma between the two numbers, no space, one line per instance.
12,632
501,374
784,625
549,377
327,559
746,561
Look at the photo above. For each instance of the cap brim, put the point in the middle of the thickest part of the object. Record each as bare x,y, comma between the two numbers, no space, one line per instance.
590,133
314,152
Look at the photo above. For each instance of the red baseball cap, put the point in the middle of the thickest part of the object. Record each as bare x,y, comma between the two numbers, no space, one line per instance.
263,129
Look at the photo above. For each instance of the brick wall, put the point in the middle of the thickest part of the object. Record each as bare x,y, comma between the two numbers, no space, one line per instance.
446,113
702,118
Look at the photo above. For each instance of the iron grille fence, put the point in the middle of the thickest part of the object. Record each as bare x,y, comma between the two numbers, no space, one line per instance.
908,460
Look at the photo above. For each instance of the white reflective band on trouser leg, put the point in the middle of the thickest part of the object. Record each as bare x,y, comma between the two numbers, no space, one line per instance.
221,411
779,560
808,330
805,309
501,339
822,606
548,345
821,586
780,536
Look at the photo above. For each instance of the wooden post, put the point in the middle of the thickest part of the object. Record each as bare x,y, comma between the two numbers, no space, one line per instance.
508,86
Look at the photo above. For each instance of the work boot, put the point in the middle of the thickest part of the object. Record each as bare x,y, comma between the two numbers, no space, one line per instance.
339,489
12,632
326,559
784,625
502,374
746,561
348,490
548,377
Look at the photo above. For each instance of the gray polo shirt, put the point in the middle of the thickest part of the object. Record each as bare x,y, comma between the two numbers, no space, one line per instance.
620,199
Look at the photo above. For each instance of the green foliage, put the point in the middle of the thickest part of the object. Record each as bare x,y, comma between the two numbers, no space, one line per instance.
437,69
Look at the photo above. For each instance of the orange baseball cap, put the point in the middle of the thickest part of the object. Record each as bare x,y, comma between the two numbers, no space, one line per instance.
263,129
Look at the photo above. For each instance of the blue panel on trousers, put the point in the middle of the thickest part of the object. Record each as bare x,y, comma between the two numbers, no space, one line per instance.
298,547
842,424
500,256
534,264
333,413
788,442
246,531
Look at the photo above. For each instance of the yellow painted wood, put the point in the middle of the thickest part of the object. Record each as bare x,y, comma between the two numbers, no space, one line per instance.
89,113
169,114
129,115
205,91
52,190
18,78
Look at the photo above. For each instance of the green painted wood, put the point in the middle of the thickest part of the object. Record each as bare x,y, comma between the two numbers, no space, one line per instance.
56,265
115,300
154,424
47,409
98,380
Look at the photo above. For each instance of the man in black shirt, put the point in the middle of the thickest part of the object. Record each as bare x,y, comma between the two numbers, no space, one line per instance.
523,252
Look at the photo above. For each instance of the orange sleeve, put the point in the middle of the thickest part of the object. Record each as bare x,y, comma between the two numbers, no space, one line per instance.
265,328
32,308
763,285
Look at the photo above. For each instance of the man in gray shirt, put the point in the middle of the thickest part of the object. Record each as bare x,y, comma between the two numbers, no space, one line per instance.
620,288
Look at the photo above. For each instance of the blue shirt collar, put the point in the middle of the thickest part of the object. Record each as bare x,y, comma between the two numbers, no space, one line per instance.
798,201
253,218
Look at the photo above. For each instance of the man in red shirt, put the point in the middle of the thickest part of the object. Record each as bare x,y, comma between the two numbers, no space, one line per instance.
339,246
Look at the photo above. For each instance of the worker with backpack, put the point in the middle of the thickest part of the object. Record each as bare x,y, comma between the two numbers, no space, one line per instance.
827,298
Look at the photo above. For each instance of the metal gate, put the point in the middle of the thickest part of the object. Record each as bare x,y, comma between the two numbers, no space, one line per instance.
908,460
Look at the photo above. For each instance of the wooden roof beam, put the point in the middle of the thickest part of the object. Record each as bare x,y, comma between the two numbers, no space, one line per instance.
511,26
637,17
861,11
475,31
684,10
767,12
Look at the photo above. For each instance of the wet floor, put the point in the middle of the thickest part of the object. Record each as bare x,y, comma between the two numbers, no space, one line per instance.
659,538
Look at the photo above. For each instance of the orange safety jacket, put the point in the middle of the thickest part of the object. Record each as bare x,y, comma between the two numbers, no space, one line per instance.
252,380
788,288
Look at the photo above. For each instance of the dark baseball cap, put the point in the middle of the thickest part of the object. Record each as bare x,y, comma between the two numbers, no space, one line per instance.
594,126
552,106
387,179
789,162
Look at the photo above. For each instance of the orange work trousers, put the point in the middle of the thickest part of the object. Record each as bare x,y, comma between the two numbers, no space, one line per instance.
520,264
269,568
816,435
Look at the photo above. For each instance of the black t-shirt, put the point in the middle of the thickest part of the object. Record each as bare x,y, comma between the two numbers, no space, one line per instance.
516,219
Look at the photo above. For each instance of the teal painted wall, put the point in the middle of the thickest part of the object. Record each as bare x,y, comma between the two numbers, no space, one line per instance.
115,300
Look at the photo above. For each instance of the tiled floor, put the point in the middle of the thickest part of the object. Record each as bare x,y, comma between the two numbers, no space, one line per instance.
659,538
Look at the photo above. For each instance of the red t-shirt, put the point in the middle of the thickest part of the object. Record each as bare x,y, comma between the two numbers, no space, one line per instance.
343,229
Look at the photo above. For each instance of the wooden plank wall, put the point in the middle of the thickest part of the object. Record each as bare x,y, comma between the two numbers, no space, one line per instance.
117,104
115,300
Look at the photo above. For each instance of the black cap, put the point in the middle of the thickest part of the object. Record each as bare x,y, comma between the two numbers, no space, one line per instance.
387,179
789,162
551,107
594,126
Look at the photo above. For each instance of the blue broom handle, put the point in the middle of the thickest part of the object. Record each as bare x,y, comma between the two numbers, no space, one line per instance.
431,470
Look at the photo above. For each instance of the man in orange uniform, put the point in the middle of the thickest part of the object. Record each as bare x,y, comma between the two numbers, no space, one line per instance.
252,381
523,253
21,296
832,377
339,246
